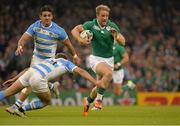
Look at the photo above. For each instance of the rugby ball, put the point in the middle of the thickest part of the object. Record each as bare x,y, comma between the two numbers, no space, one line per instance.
86,34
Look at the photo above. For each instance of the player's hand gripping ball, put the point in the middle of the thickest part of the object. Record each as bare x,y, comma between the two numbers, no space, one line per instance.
86,34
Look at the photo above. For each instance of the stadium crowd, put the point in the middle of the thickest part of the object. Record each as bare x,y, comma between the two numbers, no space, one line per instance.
151,30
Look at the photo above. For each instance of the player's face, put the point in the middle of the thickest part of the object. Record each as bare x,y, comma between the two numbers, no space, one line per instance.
103,17
46,18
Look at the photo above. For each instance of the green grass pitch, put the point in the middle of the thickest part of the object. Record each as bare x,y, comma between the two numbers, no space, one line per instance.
110,115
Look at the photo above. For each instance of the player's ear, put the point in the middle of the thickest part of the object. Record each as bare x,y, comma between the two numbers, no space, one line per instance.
53,16
40,15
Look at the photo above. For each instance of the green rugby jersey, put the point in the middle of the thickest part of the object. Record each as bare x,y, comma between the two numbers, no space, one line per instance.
118,52
103,41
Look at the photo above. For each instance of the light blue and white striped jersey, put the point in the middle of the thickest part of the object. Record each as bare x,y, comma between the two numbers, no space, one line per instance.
52,68
46,39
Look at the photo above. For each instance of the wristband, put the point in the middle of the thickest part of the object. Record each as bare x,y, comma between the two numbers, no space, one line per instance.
118,64
20,46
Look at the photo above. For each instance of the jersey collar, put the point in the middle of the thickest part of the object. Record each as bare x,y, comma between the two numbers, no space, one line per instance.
100,25
44,26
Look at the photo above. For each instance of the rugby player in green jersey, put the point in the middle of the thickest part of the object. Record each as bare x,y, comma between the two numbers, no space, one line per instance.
120,59
105,32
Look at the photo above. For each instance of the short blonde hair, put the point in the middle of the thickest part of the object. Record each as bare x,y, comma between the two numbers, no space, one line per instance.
102,7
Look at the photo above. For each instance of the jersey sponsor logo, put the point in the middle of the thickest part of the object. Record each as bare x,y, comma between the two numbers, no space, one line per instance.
51,42
52,34
42,31
108,28
102,32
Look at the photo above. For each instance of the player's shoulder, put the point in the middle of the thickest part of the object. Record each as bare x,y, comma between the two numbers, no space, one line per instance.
120,47
110,22
56,26
113,25
91,22
58,29
88,22
37,23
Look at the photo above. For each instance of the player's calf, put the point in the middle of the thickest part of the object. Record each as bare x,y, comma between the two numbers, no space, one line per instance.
86,106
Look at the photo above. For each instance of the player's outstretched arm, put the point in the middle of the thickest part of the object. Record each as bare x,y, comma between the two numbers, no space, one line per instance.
12,80
86,75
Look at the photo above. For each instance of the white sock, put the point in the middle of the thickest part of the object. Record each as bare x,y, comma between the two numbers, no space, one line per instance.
18,103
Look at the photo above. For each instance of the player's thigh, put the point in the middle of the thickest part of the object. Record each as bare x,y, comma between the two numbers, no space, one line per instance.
24,79
103,68
38,83
94,61
26,90
45,97
14,88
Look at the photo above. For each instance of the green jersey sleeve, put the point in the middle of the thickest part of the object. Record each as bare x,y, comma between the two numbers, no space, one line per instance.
88,25
118,52
121,49
114,25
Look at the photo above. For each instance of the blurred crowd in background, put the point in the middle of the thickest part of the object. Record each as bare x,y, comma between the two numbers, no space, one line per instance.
151,29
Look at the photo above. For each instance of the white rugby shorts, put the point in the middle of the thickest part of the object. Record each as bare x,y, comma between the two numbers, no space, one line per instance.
32,78
118,76
93,61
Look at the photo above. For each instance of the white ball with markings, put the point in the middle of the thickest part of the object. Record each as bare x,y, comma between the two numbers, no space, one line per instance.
86,34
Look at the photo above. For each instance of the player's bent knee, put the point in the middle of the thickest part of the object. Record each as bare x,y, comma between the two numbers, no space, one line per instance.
45,97
46,101
108,76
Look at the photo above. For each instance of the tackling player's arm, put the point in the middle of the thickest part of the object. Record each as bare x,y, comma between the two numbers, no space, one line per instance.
12,80
22,41
76,34
87,76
